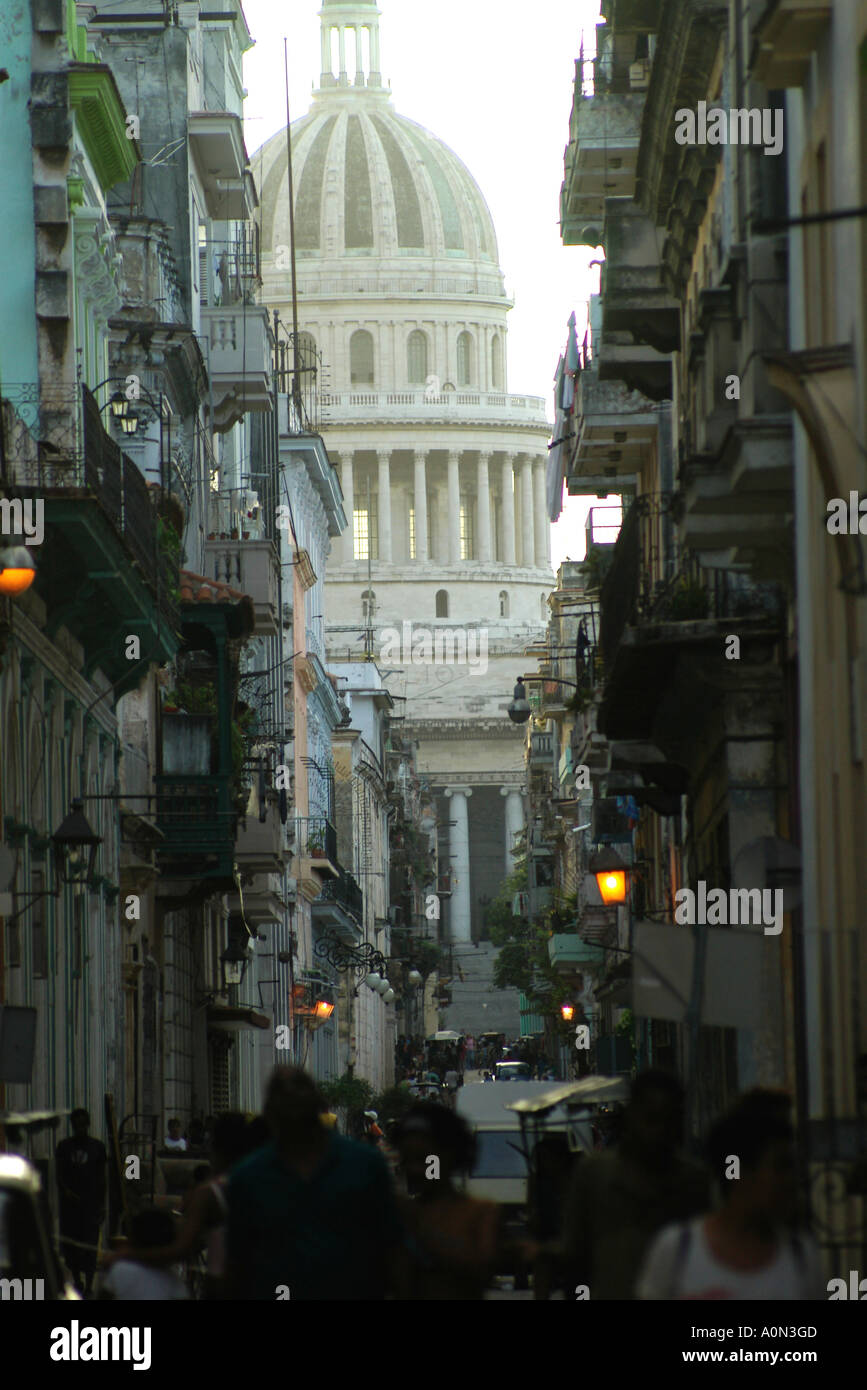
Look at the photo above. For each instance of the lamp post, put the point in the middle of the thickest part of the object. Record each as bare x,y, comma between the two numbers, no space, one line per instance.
120,404
17,570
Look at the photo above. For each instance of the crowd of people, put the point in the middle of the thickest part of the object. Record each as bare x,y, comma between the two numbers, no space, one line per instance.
290,1208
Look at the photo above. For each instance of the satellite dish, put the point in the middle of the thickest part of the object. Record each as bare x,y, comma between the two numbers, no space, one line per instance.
770,862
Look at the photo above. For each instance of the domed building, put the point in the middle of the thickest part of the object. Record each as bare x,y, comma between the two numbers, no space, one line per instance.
443,575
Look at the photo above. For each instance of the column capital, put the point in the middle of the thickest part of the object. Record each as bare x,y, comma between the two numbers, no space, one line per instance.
511,791
421,455
485,455
383,455
458,791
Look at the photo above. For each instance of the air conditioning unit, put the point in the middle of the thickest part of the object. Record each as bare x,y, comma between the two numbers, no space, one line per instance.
639,75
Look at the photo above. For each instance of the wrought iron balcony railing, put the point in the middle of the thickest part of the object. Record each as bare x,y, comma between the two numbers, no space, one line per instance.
652,580
52,441
316,838
345,891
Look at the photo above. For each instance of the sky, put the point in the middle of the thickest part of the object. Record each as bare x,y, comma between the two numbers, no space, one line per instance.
493,79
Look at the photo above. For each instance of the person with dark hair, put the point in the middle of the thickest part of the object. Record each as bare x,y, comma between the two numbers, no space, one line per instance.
205,1212
130,1278
746,1249
453,1240
312,1215
81,1171
622,1196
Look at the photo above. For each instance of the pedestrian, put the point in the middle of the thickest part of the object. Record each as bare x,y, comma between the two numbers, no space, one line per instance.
205,1211
174,1139
621,1197
746,1249
129,1279
81,1171
453,1241
312,1215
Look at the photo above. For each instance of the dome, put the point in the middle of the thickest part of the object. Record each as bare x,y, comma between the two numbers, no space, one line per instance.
371,183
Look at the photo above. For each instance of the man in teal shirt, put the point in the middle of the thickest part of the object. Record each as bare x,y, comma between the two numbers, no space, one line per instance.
312,1215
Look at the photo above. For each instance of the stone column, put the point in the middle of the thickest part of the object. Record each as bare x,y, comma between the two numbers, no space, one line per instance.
514,812
341,33
347,482
374,48
508,512
484,549
442,506
384,458
326,48
454,507
420,507
359,55
527,537
459,863
540,513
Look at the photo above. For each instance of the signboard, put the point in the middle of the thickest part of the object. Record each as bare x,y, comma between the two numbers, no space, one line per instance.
735,959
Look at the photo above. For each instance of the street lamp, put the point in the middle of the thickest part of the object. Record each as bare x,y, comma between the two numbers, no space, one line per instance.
519,710
610,872
17,570
567,1012
76,847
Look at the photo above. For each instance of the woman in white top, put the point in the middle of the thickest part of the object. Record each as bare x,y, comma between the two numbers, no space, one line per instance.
747,1249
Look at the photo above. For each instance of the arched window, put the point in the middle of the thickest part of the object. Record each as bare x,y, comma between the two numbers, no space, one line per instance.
442,601
497,363
306,351
361,358
416,358
465,359
368,605
504,604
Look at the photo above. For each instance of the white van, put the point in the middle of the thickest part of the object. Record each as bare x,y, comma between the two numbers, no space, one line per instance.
500,1173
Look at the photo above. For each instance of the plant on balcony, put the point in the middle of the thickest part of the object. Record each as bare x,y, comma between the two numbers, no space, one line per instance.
597,563
316,844
169,542
689,602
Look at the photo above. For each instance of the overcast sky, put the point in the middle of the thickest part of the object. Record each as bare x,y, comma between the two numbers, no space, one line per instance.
493,79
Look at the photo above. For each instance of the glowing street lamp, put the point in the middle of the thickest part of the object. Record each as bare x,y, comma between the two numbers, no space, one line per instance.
17,570
567,1012
610,873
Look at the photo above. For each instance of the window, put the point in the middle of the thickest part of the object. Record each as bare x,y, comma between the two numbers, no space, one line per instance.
465,360
497,363
368,606
364,532
361,358
306,351
467,538
416,358
442,603
504,604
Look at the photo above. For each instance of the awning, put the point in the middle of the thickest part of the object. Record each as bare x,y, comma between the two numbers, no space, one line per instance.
232,1020
590,1090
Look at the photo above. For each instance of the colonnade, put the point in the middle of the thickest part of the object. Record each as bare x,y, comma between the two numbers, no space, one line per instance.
516,534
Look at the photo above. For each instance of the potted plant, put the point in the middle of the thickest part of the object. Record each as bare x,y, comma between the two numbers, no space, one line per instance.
316,844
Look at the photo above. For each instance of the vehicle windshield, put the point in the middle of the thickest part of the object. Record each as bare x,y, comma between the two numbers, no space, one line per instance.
498,1155
506,1071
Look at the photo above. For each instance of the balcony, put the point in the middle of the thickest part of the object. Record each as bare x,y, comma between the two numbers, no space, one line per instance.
101,571
633,295
739,503
541,750
640,367
602,154
785,39
570,955
664,618
251,567
615,430
217,144
340,905
259,845
239,361
316,850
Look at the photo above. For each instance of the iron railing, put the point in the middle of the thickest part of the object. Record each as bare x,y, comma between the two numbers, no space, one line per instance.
652,580
52,440
345,891
316,838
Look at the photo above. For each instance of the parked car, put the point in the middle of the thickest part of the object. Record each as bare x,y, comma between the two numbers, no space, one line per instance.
30,1268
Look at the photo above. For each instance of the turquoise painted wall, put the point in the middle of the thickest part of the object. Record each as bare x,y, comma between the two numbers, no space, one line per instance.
18,359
